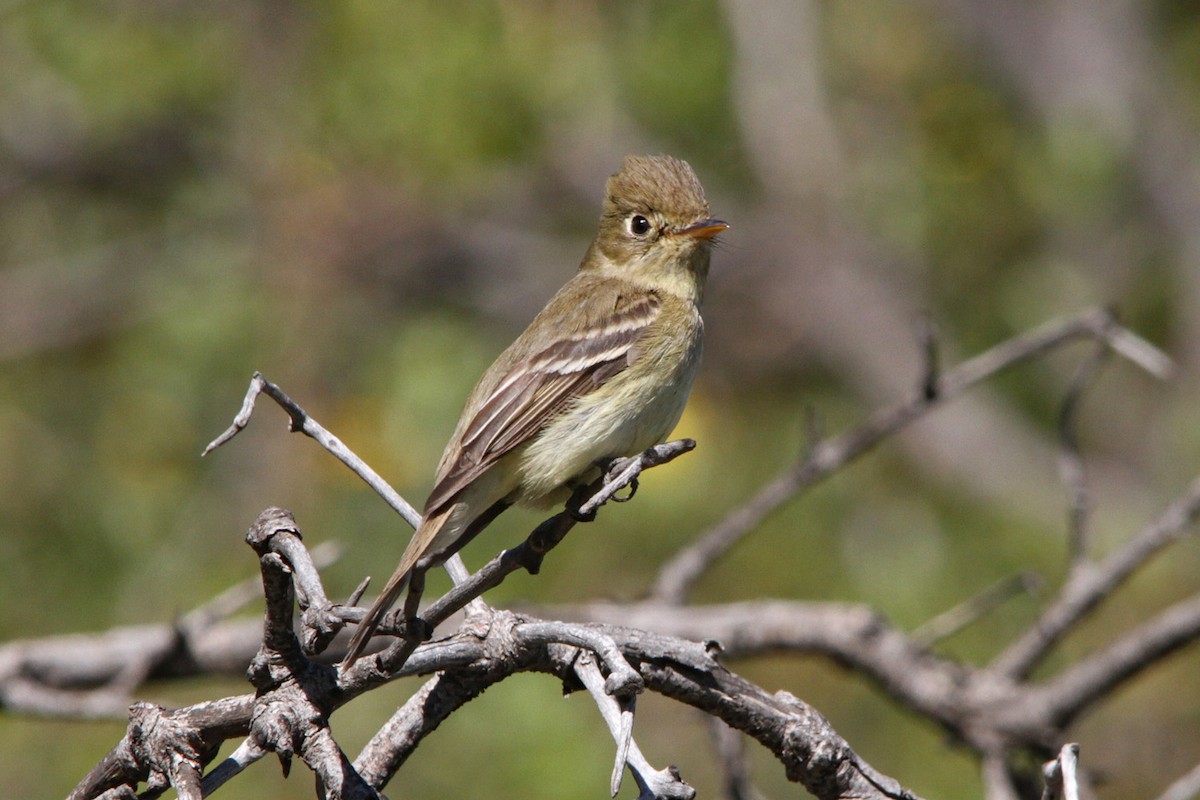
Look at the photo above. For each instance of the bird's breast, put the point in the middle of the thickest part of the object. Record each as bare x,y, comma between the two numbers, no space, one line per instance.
635,409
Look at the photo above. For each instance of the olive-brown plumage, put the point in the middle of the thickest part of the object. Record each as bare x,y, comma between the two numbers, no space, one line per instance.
603,371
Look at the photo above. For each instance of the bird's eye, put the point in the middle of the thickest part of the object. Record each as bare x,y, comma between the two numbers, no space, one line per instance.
639,225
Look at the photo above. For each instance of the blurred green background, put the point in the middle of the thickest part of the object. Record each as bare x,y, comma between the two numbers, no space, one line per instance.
367,200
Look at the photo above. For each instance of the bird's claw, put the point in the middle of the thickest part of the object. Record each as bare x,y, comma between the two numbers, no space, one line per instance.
582,516
633,487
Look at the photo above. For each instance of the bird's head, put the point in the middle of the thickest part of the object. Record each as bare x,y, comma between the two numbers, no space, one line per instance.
655,228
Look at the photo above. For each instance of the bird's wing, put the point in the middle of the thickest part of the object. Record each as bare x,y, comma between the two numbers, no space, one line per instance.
540,386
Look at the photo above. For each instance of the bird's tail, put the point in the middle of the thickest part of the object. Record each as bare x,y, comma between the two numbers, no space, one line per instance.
421,541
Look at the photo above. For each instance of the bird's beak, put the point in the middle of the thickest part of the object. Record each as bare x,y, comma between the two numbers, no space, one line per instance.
704,229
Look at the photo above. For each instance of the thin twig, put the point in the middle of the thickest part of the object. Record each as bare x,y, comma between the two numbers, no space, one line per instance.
927,338
1074,690
303,423
616,713
1086,588
1185,787
973,609
1061,775
997,779
623,680
730,747
1070,462
676,577
622,473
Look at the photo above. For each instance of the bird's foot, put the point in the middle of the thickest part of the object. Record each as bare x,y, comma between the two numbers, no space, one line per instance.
633,487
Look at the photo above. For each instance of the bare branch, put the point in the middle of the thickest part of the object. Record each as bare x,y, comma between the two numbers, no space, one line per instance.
623,680
289,714
665,784
997,779
1087,586
1070,461
302,422
148,747
622,473
468,663
1186,787
677,576
292,714
1081,685
952,621
851,635
1061,774
94,676
730,746
783,724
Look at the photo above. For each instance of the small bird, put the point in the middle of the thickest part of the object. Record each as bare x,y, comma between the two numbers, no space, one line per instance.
602,372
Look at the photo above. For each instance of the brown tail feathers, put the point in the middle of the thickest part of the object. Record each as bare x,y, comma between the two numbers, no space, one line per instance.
416,550
366,628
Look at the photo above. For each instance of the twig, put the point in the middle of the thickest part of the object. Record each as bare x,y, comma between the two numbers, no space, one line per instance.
622,473
479,654
1076,688
95,677
810,749
625,471
927,338
618,716
1085,588
730,746
301,422
623,680
952,621
676,577
1061,775
289,713
1070,462
240,595
1186,787
421,714
980,707
997,779
155,736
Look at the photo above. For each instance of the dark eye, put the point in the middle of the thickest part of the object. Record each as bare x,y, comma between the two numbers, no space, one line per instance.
639,225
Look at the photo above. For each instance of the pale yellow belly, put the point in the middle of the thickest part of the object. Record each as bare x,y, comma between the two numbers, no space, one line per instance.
619,419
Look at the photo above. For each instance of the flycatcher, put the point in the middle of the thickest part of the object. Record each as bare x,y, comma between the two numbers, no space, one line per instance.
602,372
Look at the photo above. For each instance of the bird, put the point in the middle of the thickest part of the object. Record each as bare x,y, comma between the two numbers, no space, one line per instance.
602,372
